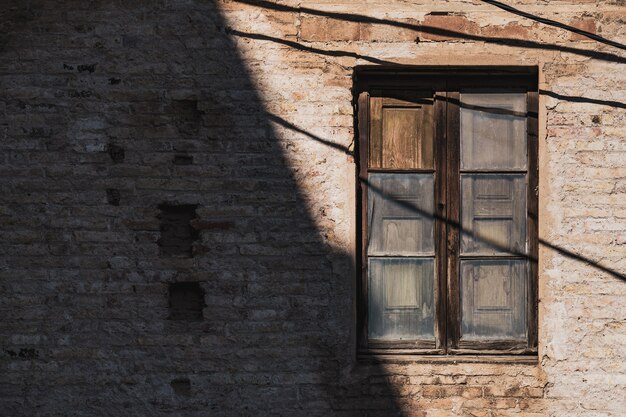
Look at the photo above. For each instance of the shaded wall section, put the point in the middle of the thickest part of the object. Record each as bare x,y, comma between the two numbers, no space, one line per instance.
158,255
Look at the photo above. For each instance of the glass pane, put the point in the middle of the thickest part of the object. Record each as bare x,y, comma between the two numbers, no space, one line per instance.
493,298
401,297
493,131
493,214
400,214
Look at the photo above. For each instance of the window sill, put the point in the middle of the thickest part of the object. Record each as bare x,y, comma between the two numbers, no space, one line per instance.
404,358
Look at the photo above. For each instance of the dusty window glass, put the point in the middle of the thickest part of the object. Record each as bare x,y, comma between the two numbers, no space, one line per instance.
493,299
400,214
493,131
400,218
401,298
493,214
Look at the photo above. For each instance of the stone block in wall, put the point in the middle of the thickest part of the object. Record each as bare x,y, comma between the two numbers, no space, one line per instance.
322,29
588,24
374,32
438,27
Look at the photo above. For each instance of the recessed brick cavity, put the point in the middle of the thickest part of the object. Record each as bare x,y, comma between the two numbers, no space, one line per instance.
183,159
186,301
181,386
116,153
113,196
177,234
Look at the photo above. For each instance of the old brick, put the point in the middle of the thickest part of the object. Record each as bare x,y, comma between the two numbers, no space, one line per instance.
447,27
588,24
445,391
508,31
200,224
386,33
321,29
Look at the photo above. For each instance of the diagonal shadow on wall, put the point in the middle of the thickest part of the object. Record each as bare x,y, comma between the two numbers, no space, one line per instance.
454,34
153,101
482,238
555,23
378,61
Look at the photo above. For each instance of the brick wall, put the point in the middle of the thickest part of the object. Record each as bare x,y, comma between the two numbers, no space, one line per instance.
114,113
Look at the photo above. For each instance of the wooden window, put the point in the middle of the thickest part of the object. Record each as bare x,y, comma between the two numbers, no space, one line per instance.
448,191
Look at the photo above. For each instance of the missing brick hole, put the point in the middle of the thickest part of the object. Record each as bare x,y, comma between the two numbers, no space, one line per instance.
186,301
181,386
183,159
186,109
113,196
116,153
177,233
86,67
187,116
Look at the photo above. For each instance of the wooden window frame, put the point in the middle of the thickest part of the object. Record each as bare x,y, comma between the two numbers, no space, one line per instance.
446,85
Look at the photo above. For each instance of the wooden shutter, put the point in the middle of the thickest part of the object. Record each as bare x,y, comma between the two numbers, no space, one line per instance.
402,131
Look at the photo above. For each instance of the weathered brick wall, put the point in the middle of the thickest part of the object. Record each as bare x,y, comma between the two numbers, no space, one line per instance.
115,113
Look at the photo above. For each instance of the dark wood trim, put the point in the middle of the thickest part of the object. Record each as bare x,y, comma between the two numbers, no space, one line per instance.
375,132
495,172
532,127
448,70
493,257
412,95
453,219
377,85
408,99
400,351
441,228
392,255
401,344
436,358
514,78
507,83
495,351
402,171
513,83
363,147
495,345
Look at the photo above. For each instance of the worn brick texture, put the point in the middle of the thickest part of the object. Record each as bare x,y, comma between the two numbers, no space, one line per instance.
111,109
